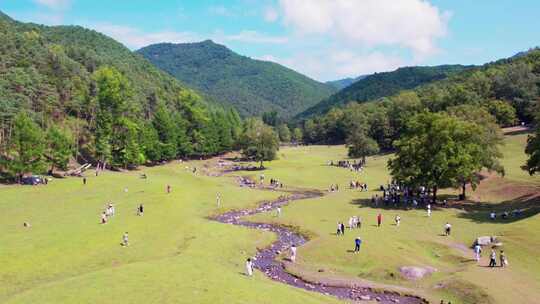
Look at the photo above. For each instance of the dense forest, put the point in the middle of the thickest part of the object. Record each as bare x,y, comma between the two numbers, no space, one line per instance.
345,82
506,90
251,86
78,93
381,85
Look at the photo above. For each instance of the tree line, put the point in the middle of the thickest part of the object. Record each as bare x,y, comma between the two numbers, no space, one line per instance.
116,136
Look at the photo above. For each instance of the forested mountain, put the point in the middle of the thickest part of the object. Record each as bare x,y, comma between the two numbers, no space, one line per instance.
251,86
111,104
504,92
383,84
345,82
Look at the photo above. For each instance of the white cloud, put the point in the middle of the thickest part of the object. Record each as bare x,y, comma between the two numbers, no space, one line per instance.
255,37
335,64
271,14
135,38
54,4
413,24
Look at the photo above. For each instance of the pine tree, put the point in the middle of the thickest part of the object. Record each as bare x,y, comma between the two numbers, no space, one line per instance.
26,147
59,147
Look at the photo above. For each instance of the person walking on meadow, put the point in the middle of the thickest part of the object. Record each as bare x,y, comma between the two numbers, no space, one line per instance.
293,253
493,258
502,257
249,267
140,210
357,243
125,239
477,251
447,229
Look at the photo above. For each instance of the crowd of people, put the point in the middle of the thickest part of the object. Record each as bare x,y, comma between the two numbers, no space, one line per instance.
355,165
506,214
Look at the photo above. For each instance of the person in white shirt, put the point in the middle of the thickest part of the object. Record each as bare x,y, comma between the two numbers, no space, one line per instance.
125,240
218,200
477,250
249,267
398,220
429,210
447,229
278,211
293,253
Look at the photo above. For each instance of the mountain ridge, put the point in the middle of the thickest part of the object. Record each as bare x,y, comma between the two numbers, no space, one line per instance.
252,86
383,84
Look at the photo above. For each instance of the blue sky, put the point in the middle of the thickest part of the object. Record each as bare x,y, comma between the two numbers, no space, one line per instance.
324,39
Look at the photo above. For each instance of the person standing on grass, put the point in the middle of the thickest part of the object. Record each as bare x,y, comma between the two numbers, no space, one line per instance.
103,218
398,220
429,210
342,227
379,220
293,253
493,258
140,210
447,229
502,257
249,267
278,211
357,243
168,189
125,239
218,199
477,251
84,180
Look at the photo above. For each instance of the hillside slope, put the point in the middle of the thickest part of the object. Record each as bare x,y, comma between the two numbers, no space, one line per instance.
251,86
341,84
383,84
52,73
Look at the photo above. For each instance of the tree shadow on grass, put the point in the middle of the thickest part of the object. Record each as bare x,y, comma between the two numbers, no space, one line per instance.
479,211
476,211
366,203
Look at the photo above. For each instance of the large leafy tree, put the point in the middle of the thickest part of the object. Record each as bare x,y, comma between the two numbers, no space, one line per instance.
26,147
533,147
297,135
112,96
489,136
166,131
437,151
284,133
259,142
60,144
360,145
125,144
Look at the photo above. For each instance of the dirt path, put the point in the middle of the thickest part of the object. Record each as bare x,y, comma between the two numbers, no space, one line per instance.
266,259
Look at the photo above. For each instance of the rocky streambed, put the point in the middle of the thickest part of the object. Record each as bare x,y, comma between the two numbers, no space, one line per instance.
266,259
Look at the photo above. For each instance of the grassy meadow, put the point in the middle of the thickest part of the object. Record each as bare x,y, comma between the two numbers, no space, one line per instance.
176,255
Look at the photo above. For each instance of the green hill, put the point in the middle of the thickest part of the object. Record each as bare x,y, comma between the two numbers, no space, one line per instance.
251,86
341,84
51,73
383,84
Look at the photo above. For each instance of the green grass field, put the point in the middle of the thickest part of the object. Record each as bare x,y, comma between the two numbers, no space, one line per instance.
176,255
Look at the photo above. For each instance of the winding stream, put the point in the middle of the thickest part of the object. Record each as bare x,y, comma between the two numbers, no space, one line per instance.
266,259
